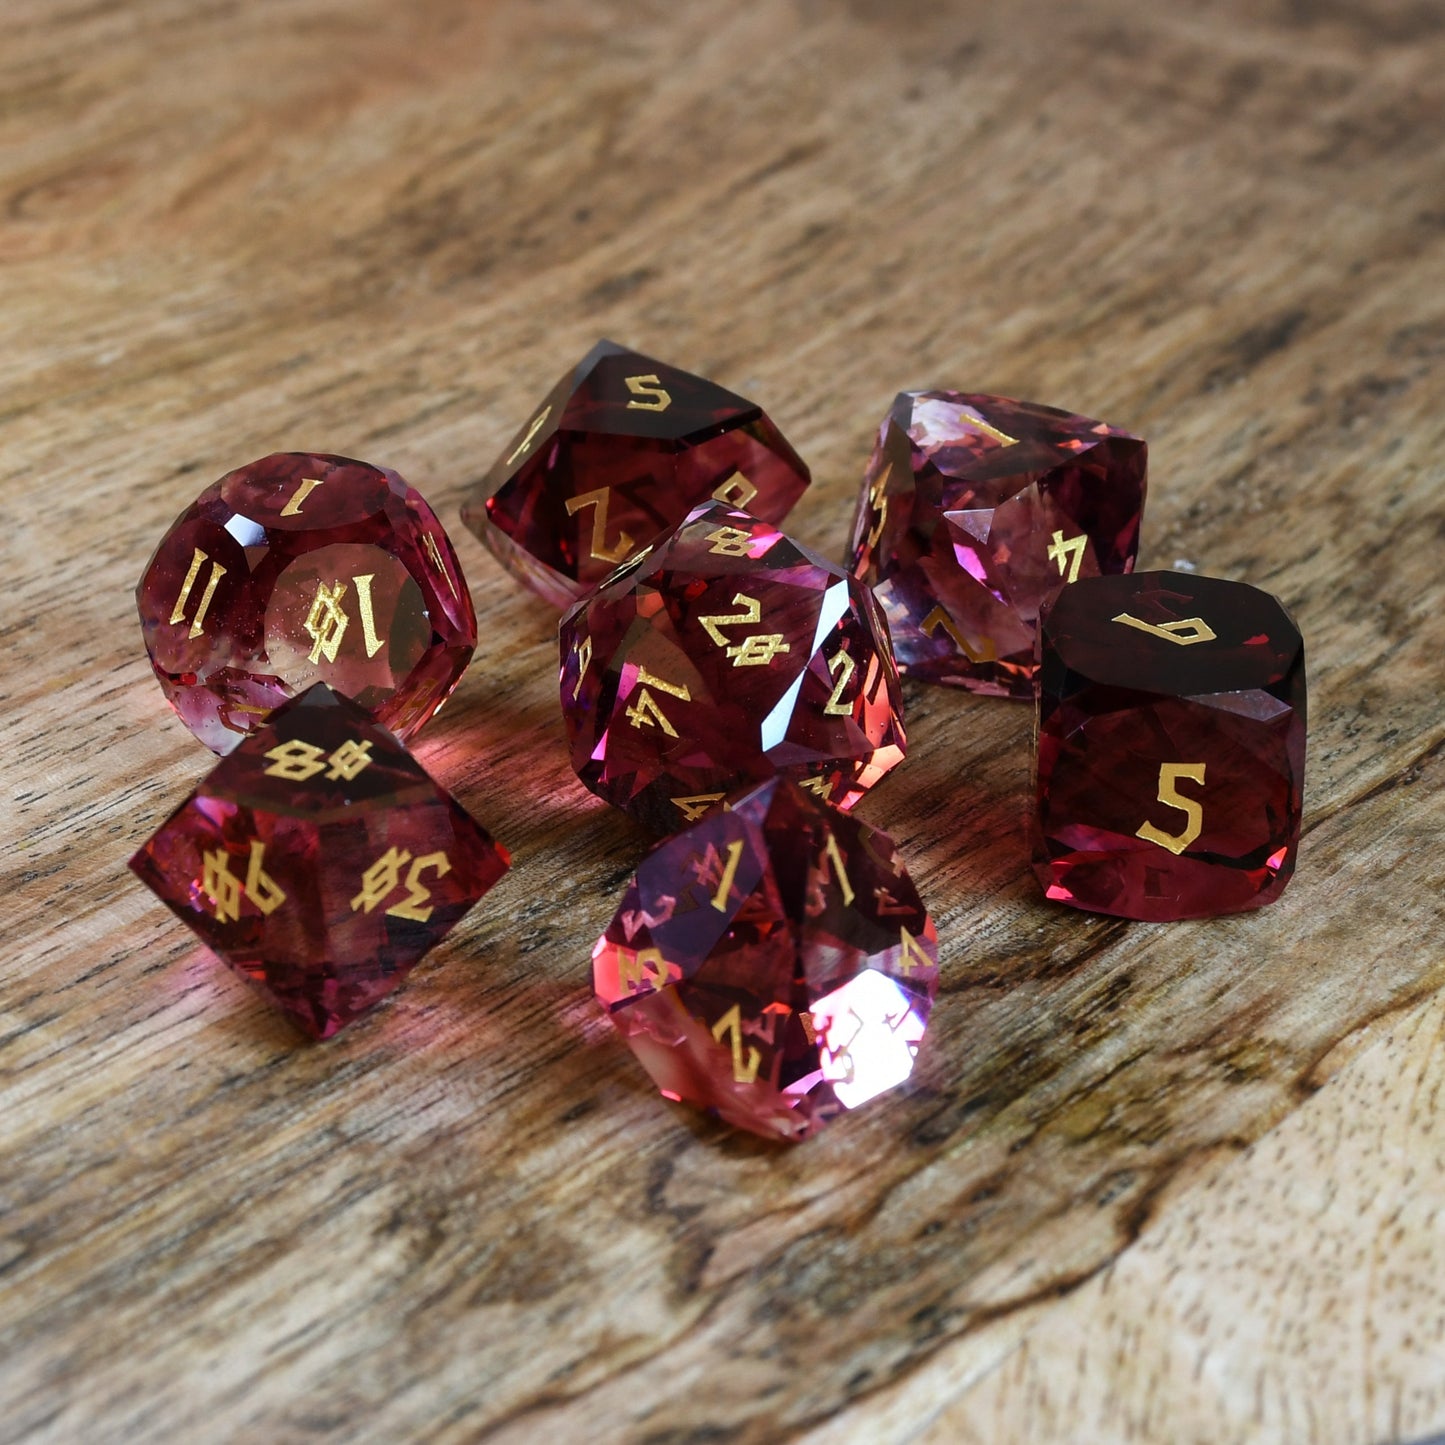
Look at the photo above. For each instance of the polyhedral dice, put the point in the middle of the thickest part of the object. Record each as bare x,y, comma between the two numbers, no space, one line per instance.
772,964
299,569
724,655
1170,748
320,861
617,454
974,511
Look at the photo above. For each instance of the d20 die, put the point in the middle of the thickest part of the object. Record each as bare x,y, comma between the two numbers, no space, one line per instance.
1170,749
772,964
298,569
725,655
618,453
975,510
320,861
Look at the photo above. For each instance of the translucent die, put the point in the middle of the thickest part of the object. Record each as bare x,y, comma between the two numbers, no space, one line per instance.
772,964
1169,765
722,656
977,509
299,569
320,861
614,457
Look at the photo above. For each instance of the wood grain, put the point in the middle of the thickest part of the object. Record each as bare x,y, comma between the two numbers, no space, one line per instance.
382,230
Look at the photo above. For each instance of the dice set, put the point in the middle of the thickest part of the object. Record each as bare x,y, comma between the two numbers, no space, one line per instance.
731,690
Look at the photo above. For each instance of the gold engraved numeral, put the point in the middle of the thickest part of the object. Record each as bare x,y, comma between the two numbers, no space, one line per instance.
878,503
1067,554
263,889
887,903
754,651
644,712
384,877
326,623
649,388
972,419
1186,632
758,650
730,872
729,542
417,892
1170,775
834,854
598,497
380,879
910,953
220,885
700,803
647,965
308,485
939,618
348,760
178,612
435,553
731,1024
844,666
297,761
584,661
538,422
225,890
752,612
373,643
737,491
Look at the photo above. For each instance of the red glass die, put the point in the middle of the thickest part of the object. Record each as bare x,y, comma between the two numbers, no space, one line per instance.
320,861
975,510
724,655
772,964
617,454
1169,764
302,568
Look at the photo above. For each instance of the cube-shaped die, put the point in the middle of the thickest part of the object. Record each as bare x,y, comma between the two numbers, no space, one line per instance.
320,861
1170,750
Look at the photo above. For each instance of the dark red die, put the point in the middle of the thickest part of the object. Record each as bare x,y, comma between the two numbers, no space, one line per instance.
975,510
726,654
320,861
773,964
297,569
619,452
1171,746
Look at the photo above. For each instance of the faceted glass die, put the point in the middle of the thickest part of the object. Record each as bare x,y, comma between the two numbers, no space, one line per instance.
772,964
320,861
298,569
1169,760
724,655
974,511
617,454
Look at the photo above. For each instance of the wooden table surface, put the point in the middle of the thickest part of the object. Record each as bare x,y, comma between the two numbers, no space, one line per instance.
1150,1183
